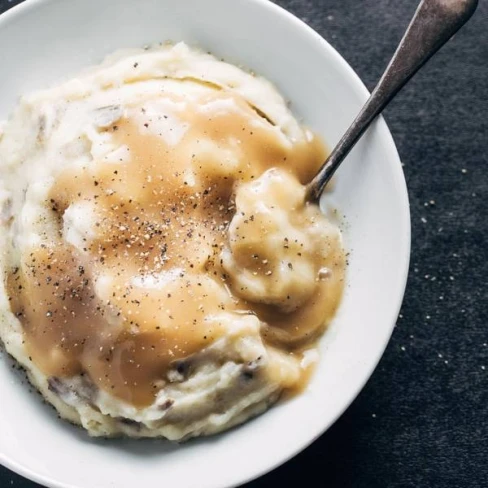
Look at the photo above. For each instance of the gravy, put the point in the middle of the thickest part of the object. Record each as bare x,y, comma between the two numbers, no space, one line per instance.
145,288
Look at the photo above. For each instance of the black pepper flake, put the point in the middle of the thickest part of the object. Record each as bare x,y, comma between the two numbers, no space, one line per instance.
167,404
247,375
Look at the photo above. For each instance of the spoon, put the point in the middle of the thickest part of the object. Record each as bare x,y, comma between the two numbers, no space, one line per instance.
433,24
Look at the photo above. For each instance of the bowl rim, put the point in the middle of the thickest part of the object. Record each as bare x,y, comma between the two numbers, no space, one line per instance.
277,460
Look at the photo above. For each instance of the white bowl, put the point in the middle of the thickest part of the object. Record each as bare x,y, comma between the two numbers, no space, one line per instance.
44,41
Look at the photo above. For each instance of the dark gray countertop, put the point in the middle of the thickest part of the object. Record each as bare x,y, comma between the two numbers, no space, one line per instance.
422,420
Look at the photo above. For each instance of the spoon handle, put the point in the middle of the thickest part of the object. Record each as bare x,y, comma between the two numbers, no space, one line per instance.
433,24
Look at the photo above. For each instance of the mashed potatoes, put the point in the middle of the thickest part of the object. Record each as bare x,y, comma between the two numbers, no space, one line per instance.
163,275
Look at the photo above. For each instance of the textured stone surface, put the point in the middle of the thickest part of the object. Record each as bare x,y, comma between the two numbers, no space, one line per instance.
422,420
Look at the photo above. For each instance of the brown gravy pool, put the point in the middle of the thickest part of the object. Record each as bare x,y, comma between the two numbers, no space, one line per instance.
165,210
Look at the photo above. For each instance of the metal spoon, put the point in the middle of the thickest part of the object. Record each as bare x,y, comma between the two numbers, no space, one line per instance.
433,24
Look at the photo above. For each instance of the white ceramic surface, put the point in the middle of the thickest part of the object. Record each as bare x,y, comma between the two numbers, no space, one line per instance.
43,41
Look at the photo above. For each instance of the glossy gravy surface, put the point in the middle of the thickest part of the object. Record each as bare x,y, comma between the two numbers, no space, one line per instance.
147,286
